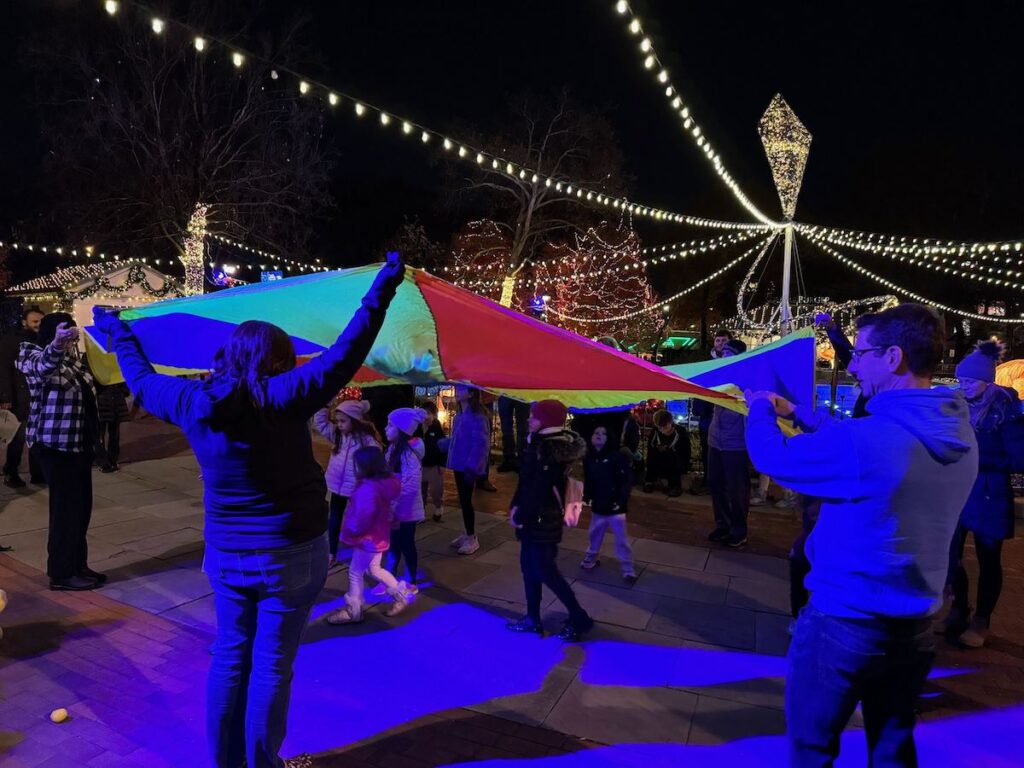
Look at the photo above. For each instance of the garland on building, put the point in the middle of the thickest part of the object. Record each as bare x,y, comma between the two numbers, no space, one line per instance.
136,277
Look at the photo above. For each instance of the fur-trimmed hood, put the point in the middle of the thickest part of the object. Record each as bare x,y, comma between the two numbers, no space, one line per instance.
563,446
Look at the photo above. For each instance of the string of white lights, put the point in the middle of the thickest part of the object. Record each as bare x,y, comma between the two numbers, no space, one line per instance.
390,121
664,303
711,243
86,252
970,270
905,244
653,64
274,258
828,250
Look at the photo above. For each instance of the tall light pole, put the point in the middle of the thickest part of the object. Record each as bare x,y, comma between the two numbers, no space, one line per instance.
786,143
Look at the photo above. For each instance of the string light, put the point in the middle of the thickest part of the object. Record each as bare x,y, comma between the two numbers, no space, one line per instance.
195,247
276,259
332,99
786,143
580,194
967,250
652,63
825,248
110,6
200,44
237,59
667,301
157,25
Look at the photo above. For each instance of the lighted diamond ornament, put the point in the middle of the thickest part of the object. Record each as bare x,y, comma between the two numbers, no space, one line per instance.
786,143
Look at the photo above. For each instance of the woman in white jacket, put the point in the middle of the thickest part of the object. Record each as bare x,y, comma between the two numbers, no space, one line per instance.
405,457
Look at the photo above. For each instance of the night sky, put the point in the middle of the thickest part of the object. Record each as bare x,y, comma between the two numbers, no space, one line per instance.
915,107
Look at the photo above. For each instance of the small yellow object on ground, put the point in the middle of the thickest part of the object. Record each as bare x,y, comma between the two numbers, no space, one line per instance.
59,715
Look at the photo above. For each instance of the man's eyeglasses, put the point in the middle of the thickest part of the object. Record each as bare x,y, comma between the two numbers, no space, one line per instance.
857,354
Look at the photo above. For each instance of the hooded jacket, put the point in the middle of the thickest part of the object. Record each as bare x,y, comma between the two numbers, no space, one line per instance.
892,486
470,444
263,487
341,473
608,479
367,524
408,507
544,467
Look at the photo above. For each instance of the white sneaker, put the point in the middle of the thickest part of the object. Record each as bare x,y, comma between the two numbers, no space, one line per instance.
458,541
401,601
469,545
757,500
379,591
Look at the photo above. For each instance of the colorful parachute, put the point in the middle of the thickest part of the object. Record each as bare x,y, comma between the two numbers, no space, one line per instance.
434,332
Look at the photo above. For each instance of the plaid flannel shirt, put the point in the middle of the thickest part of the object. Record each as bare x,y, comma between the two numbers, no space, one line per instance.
56,416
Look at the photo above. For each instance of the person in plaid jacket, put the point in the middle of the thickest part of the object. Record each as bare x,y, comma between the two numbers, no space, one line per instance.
62,429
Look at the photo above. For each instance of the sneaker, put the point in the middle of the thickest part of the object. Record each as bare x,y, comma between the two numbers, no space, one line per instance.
486,485
590,562
108,468
573,633
469,545
953,624
400,604
976,634
14,481
89,573
757,500
304,760
734,541
74,584
379,591
344,616
458,541
718,534
648,487
436,517
526,624
787,503
629,578
411,589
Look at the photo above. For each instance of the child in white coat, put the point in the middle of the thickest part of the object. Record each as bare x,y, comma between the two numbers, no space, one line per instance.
405,459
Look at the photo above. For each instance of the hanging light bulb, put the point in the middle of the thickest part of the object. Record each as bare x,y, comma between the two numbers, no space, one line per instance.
360,110
646,45
424,137
622,6
237,59
649,62
303,87
200,44
332,99
110,6
385,118
157,25
634,26
406,127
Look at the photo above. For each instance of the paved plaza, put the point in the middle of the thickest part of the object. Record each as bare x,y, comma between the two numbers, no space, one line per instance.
685,666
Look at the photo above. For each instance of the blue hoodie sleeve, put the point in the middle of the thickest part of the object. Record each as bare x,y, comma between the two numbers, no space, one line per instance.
166,397
823,464
309,387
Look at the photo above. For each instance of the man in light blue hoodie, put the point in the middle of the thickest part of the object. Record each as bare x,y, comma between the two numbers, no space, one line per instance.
892,486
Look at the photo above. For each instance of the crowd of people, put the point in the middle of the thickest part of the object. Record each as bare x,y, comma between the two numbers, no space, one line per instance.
888,500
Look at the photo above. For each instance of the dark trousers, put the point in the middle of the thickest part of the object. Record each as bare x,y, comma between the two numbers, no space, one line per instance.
464,485
14,451
729,480
664,464
512,440
799,567
337,512
108,446
69,476
833,664
990,576
403,543
704,448
540,569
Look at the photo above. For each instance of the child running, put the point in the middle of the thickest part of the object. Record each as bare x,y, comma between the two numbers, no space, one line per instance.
348,429
367,529
606,486
433,461
405,457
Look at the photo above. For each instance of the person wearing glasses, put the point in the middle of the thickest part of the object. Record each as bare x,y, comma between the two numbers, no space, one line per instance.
892,485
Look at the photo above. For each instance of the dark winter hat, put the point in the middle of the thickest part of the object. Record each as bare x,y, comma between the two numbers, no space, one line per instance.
981,363
48,326
736,346
550,413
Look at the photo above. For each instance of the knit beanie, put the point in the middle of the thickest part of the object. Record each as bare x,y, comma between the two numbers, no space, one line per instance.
407,419
355,409
737,346
981,363
550,413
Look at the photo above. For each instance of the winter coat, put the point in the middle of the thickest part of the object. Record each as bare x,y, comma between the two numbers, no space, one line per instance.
433,456
469,447
608,479
263,488
13,386
112,403
340,474
367,523
726,432
891,485
989,510
677,442
408,507
544,468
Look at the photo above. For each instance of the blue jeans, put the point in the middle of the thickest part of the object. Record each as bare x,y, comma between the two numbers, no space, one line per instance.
263,600
834,663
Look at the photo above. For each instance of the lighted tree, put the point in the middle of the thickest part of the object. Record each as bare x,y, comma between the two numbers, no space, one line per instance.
141,128
554,139
599,274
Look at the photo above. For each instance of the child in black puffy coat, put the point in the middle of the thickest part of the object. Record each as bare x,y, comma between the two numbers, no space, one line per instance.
606,486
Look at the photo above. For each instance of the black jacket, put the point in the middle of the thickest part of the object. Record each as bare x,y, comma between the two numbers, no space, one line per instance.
13,387
544,468
607,480
433,456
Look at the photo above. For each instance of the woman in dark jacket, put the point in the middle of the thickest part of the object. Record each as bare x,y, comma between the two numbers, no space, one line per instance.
112,406
265,499
537,514
988,514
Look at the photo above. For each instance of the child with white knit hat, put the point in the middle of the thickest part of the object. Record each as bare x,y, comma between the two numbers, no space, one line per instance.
405,459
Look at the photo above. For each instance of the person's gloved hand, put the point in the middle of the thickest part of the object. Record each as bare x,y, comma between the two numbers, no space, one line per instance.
394,269
105,320
66,336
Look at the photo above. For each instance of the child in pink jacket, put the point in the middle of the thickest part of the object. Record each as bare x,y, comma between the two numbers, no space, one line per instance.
367,529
